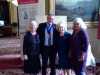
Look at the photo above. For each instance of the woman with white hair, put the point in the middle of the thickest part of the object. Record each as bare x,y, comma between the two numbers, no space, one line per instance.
90,60
63,48
78,47
31,50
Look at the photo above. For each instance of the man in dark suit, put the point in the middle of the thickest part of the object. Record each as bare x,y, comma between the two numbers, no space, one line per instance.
48,37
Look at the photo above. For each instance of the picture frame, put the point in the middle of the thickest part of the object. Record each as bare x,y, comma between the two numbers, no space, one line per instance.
86,9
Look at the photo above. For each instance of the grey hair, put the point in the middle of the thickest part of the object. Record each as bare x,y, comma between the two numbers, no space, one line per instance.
31,23
63,24
81,22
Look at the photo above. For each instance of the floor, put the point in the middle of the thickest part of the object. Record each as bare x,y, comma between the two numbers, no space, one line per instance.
20,72
9,45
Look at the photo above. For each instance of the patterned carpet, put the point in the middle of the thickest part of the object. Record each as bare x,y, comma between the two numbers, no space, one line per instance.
9,45
20,72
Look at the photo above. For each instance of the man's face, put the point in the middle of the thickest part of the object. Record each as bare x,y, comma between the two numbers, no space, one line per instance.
50,19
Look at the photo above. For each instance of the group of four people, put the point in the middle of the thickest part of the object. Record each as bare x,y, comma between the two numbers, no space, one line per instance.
48,40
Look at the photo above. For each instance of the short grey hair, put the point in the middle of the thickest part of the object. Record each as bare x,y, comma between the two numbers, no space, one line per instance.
64,25
31,24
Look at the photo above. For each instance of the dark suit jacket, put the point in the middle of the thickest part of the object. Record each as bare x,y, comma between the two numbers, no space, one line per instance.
41,32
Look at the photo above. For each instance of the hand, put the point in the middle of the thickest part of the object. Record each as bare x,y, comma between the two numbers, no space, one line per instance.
82,58
25,57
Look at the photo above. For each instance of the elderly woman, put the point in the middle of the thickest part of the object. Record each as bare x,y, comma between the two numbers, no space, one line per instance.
31,50
78,47
63,49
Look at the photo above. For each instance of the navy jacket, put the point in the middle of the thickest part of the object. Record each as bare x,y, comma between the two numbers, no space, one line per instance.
31,44
79,43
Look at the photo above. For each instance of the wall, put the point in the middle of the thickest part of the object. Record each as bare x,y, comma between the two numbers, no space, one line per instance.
13,13
95,43
28,12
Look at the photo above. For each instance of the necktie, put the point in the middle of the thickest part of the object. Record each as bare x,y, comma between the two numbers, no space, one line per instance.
49,29
49,32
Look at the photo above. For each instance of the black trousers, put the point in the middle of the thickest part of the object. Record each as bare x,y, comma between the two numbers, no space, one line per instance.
48,53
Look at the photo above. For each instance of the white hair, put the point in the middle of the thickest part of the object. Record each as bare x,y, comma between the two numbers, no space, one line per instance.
63,24
34,23
81,23
31,24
